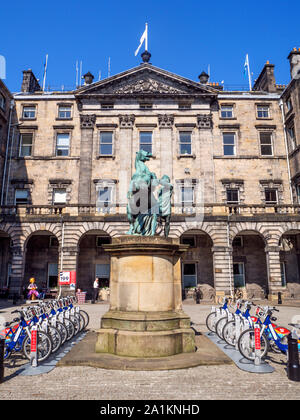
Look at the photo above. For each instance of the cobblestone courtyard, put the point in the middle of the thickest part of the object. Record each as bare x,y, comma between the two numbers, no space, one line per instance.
203,382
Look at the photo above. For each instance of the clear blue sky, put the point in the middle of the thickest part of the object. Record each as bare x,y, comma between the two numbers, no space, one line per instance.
184,37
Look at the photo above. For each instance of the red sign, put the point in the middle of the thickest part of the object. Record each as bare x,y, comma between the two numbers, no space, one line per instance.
257,337
33,341
67,278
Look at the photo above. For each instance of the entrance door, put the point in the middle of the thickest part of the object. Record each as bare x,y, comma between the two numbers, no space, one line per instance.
189,275
52,275
239,274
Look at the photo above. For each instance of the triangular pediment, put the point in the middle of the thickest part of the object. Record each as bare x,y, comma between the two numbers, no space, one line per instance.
146,80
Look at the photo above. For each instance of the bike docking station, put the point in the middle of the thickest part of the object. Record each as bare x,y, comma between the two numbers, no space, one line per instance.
259,365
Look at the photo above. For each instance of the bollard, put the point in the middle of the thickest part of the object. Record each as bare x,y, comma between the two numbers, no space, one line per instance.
2,344
293,367
279,298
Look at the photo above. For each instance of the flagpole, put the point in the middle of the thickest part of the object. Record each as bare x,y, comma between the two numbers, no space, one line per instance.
146,40
249,73
45,71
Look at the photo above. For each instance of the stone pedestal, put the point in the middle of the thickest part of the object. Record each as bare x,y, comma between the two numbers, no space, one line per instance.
145,318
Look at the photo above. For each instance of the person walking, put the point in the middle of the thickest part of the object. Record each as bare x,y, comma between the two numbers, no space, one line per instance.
96,290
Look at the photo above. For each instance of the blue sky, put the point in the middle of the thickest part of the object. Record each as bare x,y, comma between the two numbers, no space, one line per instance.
184,37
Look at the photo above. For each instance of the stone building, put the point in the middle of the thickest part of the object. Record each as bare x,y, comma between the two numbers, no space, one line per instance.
234,200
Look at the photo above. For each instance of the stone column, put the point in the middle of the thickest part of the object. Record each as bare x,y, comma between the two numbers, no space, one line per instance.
205,125
223,269
274,271
126,124
166,122
87,123
17,271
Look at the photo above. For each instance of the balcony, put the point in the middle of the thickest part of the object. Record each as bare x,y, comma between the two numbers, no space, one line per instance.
79,210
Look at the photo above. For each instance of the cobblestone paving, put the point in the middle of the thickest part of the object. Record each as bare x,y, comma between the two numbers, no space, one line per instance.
204,382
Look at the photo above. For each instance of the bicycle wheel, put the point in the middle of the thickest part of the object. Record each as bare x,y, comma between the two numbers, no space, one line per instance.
55,337
76,324
246,345
211,320
70,328
63,331
85,316
44,346
220,325
81,320
229,333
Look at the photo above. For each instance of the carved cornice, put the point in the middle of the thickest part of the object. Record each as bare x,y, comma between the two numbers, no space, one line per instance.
126,120
204,121
87,121
165,120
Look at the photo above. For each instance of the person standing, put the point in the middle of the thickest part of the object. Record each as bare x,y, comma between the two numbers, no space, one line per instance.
96,290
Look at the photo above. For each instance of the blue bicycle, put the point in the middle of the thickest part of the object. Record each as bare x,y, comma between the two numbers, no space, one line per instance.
18,338
270,338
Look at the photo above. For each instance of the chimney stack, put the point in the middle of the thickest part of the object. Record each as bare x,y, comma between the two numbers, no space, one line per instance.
294,58
30,83
88,78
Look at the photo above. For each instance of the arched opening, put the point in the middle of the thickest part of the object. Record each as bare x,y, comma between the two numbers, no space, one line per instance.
93,261
42,261
250,271
289,244
5,263
197,264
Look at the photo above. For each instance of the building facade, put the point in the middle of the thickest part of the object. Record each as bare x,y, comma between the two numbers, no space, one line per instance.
235,180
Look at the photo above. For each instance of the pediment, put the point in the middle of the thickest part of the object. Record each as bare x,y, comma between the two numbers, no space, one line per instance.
146,80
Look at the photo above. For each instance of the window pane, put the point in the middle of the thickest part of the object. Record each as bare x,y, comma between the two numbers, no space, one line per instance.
105,149
232,195
64,112
271,195
26,145
62,146
104,196
187,195
21,196
226,111
29,112
106,137
229,144
59,196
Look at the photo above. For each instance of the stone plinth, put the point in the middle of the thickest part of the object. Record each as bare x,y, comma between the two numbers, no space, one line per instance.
145,318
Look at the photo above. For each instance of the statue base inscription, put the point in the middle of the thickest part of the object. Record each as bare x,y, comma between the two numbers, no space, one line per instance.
145,318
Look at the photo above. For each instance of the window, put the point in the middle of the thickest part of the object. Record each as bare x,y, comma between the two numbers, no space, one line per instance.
106,143
189,275
291,138
103,273
29,112
107,106
26,144
226,111
184,106
102,240
62,144
187,196
271,195
52,275
283,273
146,106
298,193
104,196
263,111
185,143
229,144
232,195
59,196
237,242
146,141
239,275
189,240
266,147
21,196
2,102
64,112
289,104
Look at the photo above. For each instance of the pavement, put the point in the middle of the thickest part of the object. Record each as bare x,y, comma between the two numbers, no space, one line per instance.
216,378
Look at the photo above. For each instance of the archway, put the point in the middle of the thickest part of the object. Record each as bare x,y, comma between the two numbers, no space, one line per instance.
5,263
197,263
92,261
289,244
250,272
42,260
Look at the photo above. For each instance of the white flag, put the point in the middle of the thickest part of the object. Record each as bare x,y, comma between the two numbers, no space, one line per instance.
144,37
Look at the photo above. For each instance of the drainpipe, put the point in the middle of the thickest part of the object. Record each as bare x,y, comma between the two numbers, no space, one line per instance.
287,150
229,260
12,104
